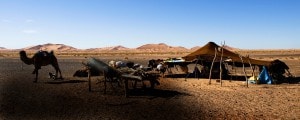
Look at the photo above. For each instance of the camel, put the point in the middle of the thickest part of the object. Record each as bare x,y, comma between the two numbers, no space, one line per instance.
41,58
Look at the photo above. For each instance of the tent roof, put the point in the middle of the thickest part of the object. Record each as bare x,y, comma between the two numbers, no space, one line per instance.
209,49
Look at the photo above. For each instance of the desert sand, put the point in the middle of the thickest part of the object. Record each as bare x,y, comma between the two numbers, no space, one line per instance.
174,98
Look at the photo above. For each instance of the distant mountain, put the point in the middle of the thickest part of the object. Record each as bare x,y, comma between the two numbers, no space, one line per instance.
50,46
112,48
195,48
231,48
2,48
153,46
119,47
147,47
226,47
160,47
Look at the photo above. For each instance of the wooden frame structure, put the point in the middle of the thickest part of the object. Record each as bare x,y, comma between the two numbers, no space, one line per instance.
212,49
109,73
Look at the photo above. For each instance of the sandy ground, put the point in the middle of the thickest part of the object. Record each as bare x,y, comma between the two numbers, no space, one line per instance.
174,98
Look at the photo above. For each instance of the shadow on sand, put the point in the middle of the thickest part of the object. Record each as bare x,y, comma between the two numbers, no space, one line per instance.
65,81
289,80
155,93
293,80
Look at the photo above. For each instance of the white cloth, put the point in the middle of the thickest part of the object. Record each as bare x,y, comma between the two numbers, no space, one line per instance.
160,66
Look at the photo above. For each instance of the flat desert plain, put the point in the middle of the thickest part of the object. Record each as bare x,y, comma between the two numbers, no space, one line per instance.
173,99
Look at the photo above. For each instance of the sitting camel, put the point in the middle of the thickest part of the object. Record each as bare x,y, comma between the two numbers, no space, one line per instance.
41,58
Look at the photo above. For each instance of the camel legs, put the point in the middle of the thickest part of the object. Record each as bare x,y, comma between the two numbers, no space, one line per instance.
56,67
36,72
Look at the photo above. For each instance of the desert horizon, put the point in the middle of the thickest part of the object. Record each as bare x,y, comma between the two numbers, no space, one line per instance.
148,46
160,50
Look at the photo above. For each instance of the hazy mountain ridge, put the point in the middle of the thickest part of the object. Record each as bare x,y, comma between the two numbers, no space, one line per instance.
160,47
112,48
63,47
50,46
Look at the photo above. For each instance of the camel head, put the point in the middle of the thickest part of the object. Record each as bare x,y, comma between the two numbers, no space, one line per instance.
24,58
22,53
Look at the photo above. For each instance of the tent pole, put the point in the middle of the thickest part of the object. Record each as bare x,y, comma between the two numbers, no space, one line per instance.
233,68
244,70
195,68
255,67
211,67
221,63
252,68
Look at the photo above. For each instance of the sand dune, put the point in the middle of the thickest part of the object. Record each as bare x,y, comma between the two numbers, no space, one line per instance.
62,47
50,46
112,48
160,47
3,48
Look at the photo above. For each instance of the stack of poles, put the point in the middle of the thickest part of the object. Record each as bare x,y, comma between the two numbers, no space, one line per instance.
221,67
212,64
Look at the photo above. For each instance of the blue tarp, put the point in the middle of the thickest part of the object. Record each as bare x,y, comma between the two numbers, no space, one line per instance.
264,77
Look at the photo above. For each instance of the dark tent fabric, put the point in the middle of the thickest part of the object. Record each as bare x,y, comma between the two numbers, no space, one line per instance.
208,51
264,77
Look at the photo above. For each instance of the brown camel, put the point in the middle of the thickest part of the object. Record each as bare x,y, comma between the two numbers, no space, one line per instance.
41,58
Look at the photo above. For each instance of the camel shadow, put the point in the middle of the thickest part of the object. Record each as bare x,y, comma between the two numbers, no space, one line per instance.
65,81
155,93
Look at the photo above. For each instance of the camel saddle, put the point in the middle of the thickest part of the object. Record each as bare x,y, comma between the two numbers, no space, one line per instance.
44,53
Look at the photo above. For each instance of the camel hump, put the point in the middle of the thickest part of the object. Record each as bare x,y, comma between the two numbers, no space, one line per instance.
44,53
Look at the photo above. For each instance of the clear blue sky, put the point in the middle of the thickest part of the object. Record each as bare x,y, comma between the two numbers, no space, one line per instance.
248,24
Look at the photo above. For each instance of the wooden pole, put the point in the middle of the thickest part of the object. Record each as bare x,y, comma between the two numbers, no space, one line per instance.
221,63
196,73
233,68
211,67
126,86
252,68
105,79
89,79
244,70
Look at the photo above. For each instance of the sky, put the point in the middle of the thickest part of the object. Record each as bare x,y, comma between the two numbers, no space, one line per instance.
246,24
